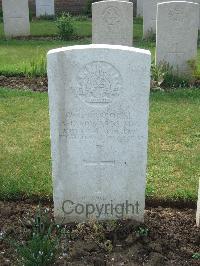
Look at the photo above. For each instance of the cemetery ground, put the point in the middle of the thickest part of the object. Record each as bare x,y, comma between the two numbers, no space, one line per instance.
168,236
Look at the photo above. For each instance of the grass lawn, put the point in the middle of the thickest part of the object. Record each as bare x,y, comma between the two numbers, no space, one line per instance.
17,55
25,169
174,144
48,28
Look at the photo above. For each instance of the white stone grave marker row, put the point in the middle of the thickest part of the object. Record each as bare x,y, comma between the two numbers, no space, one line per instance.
150,12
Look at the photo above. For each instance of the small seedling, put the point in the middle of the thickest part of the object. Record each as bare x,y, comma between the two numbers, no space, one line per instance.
65,25
42,245
143,231
108,246
196,256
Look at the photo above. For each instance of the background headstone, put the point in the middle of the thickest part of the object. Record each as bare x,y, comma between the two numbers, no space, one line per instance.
177,34
99,102
198,207
112,22
45,7
150,12
139,8
149,16
16,18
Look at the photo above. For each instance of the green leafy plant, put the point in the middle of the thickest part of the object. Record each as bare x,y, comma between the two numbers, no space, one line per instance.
196,256
65,25
108,246
142,231
195,69
158,74
38,251
42,246
164,76
97,230
176,81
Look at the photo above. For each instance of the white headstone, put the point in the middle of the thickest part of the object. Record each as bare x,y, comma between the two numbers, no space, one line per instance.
16,18
112,22
139,8
99,102
149,16
150,12
45,7
198,207
177,34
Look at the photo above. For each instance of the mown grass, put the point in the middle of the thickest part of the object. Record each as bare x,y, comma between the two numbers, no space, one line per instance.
16,55
48,28
24,140
173,154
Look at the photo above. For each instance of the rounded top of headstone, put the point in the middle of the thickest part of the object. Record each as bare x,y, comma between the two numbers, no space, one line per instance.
100,46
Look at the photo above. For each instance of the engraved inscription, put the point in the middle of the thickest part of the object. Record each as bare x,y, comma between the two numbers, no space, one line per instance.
176,14
99,83
87,125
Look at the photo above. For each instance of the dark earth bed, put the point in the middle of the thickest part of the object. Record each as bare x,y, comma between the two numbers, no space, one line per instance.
172,238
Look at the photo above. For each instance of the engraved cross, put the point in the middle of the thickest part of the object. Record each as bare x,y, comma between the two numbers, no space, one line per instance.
99,162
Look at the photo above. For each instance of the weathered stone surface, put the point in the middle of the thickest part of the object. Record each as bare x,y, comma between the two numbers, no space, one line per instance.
149,15
139,8
99,102
112,22
45,7
177,33
16,18
198,207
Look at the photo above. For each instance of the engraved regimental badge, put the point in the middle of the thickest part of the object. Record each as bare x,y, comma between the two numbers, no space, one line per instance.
99,83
